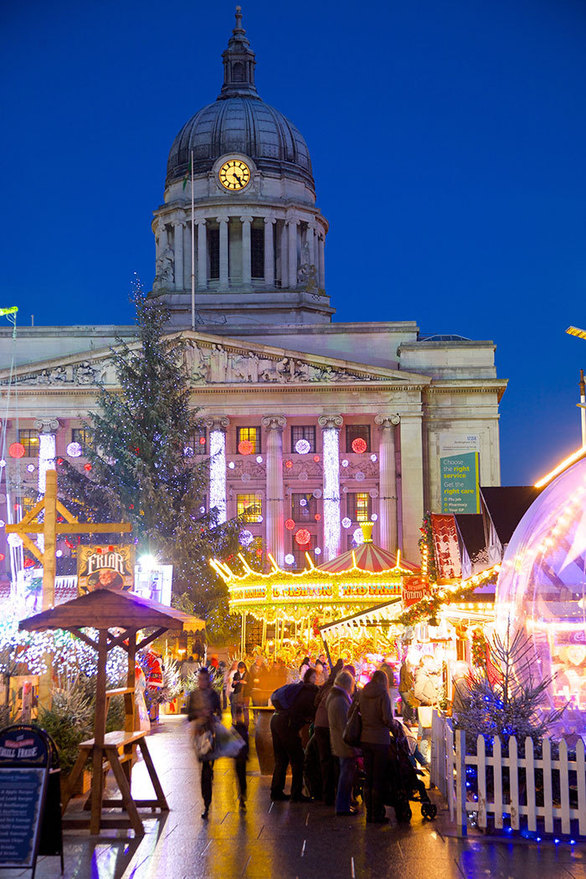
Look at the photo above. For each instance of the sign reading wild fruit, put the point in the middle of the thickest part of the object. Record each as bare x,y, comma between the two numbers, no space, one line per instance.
105,567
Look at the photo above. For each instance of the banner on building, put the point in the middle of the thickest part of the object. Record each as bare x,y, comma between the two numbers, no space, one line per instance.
414,588
446,547
459,483
105,567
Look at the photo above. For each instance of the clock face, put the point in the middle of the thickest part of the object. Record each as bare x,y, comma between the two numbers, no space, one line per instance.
234,174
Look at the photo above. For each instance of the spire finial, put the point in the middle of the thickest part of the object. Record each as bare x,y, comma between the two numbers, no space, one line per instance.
239,29
239,64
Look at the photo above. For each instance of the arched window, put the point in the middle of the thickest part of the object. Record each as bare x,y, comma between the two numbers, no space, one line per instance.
238,71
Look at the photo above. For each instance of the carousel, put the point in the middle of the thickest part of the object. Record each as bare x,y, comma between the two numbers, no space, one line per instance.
292,605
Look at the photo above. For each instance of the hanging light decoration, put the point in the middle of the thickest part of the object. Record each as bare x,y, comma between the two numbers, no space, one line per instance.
359,445
302,537
289,524
16,450
302,447
245,447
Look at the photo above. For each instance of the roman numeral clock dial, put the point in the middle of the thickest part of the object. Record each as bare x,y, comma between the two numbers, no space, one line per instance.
234,174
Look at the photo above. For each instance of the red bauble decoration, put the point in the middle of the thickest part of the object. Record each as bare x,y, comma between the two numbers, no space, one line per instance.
317,517
59,461
288,464
16,450
358,445
316,458
302,537
87,467
2,556
289,524
245,447
29,563
131,506
202,440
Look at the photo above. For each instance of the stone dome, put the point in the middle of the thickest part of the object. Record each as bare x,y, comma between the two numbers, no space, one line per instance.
240,122
542,590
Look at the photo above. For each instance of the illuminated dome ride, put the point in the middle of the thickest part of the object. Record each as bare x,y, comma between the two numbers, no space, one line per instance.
352,582
542,590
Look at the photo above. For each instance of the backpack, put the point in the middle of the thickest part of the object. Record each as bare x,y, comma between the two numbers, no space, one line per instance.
284,698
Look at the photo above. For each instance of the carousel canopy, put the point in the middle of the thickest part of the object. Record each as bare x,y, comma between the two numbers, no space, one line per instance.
367,557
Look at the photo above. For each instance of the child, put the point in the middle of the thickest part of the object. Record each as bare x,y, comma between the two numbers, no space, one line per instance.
240,760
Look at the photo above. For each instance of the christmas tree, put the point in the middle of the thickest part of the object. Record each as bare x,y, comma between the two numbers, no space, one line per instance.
141,466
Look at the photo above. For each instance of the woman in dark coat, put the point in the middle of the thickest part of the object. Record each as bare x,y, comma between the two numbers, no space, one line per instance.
377,723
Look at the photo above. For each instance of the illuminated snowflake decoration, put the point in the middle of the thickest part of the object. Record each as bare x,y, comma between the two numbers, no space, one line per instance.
74,450
346,522
358,537
246,538
289,558
302,447
374,517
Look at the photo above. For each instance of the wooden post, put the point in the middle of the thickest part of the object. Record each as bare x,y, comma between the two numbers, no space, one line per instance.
461,814
99,733
50,535
131,719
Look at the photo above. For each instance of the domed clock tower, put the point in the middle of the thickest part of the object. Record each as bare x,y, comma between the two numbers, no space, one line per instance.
239,239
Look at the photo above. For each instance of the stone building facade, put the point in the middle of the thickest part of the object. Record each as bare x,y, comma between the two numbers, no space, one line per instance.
312,425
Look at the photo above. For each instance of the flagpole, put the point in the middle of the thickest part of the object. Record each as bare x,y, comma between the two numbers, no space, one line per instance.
192,251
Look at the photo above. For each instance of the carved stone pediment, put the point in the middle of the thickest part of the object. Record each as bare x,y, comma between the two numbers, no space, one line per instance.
212,360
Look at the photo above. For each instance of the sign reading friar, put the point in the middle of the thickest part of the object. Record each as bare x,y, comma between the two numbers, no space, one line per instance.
105,567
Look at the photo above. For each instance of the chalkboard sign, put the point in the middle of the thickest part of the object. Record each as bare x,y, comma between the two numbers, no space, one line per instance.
22,797
26,783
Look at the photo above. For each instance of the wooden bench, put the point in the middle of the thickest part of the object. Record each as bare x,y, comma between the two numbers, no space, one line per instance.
116,754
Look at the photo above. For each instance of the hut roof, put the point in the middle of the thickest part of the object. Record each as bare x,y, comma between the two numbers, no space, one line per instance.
106,608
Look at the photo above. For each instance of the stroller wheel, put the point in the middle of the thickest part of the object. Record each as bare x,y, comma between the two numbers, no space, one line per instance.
429,810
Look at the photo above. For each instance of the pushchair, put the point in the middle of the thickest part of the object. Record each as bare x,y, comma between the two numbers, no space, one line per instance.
404,784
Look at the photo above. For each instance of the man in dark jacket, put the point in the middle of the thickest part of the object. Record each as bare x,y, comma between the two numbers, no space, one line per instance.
339,701
285,728
321,728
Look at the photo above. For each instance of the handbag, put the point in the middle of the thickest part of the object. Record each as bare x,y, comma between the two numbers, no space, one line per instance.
204,744
353,729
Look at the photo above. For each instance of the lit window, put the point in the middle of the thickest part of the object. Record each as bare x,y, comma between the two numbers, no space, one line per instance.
303,432
359,506
303,507
30,440
249,507
249,435
82,436
357,431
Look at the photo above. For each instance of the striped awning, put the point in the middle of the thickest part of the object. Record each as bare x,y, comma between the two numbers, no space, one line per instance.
367,557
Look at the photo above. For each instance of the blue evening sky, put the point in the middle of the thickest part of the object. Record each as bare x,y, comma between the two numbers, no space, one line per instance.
448,140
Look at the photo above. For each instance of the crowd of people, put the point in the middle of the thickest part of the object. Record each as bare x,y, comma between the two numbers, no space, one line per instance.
310,727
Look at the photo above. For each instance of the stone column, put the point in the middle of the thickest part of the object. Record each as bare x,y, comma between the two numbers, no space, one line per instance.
202,256
275,493
312,248
387,510
292,252
321,267
246,261
411,485
331,425
162,238
284,260
217,425
224,279
269,252
178,247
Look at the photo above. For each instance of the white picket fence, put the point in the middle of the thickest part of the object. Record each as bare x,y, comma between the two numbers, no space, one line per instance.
449,762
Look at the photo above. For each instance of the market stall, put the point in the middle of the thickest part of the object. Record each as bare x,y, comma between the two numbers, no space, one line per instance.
105,619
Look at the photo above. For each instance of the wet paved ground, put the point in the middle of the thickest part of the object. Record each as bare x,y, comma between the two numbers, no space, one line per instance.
285,841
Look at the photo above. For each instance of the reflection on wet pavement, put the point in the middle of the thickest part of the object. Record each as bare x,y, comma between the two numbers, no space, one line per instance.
282,840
